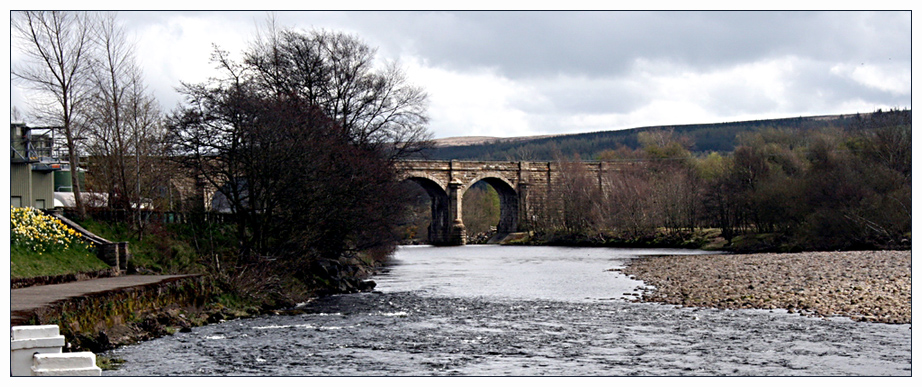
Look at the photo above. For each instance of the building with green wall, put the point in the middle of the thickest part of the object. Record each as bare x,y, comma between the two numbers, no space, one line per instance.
32,168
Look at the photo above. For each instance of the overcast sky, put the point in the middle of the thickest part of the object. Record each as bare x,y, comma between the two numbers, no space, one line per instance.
533,73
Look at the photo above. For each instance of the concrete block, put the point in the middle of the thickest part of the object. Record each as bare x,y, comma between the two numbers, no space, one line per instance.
43,342
65,364
34,332
26,341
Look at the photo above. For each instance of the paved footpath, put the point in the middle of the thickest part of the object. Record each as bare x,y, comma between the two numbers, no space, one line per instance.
35,297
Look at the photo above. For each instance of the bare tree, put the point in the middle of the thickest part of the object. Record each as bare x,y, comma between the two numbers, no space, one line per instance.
112,73
375,106
124,118
574,198
57,46
145,121
627,203
268,134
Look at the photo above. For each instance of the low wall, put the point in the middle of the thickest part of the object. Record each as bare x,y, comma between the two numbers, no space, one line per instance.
17,283
83,320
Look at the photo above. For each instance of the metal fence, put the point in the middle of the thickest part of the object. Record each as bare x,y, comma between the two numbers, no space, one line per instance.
147,216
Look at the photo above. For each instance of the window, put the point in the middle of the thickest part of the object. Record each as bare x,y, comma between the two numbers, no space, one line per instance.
16,201
40,203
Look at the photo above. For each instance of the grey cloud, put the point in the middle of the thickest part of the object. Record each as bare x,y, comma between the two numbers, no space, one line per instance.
531,44
819,89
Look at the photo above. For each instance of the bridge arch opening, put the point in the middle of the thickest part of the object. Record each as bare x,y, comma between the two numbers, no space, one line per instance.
492,198
437,232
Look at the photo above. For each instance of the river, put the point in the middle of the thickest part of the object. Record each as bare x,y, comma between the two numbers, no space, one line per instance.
504,310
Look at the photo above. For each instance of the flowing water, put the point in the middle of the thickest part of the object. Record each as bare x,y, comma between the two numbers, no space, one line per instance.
503,310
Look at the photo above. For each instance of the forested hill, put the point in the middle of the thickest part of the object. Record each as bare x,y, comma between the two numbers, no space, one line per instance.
704,138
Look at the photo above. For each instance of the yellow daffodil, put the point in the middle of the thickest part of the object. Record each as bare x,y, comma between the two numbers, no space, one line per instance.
40,232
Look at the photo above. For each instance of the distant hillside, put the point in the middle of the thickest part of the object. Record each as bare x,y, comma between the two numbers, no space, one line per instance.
719,137
478,140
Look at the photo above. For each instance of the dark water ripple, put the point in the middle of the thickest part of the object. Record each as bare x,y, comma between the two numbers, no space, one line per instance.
403,333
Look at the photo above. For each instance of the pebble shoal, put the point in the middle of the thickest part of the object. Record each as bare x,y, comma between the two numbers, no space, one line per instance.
862,285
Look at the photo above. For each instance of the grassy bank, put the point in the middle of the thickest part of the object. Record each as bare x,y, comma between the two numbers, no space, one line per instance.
26,263
167,248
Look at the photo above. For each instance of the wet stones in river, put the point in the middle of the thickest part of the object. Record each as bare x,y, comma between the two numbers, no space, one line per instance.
339,277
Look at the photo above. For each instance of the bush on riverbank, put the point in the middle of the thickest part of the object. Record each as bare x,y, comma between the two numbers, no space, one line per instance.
257,284
708,239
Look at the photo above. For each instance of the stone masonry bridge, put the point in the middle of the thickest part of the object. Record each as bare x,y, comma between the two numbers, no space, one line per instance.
521,185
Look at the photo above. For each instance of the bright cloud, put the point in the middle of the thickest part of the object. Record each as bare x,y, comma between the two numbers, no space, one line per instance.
886,77
471,104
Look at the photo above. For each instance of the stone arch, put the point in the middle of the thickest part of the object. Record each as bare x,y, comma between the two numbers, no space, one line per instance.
508,203
440,222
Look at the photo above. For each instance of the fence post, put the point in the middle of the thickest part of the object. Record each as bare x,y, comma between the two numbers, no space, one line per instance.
122,256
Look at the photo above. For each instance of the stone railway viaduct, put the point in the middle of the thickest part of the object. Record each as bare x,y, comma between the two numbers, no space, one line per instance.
522,187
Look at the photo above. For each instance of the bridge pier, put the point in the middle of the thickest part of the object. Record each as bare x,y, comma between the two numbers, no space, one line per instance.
522,219
457,235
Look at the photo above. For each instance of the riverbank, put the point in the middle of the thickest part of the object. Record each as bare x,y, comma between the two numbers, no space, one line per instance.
705,238
863,285
99,313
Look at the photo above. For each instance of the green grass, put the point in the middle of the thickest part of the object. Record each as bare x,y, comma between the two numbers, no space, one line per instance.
168,249
25,263
108,363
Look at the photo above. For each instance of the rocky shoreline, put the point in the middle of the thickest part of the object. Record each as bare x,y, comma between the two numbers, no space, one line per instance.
105,320
871,286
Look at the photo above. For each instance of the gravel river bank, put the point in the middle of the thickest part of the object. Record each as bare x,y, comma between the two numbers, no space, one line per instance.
871,286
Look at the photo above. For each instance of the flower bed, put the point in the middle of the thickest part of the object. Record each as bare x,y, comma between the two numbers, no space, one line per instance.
41,233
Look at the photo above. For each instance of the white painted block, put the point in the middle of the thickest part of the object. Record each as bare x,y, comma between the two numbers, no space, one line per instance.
21,359
26,341
33,332
64,360
96,371
65,364
45,342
